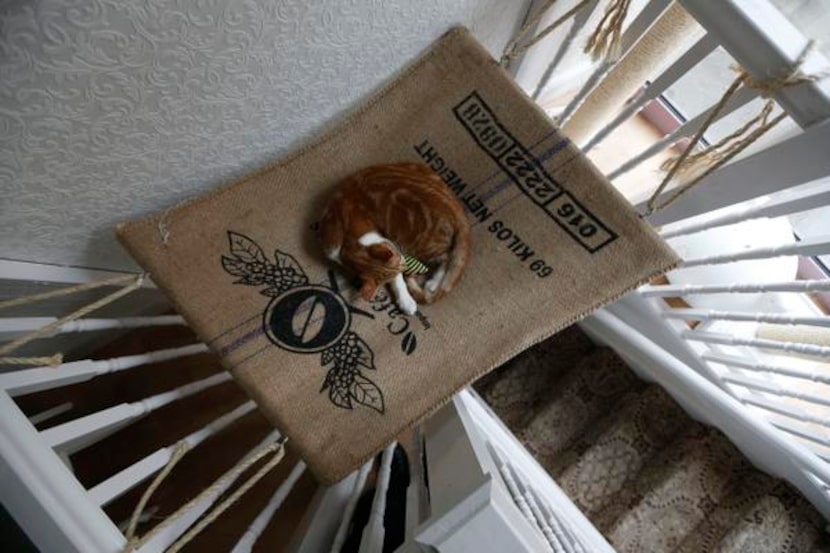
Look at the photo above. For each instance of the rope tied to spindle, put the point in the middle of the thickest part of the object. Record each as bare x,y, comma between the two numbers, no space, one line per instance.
605,41
701,164
134,542
513,49
46,330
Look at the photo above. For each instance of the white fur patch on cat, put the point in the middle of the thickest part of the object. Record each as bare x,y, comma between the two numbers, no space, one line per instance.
371,238
405,300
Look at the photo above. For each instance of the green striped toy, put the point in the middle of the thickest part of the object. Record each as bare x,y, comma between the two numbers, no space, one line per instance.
413,266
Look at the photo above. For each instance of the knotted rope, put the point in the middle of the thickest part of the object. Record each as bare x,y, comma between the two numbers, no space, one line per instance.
720,153
46,330
134,542
514,50
604,42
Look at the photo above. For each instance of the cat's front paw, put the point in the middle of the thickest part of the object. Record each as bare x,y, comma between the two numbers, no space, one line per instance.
407,305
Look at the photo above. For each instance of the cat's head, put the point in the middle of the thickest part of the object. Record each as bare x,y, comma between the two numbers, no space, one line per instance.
375,264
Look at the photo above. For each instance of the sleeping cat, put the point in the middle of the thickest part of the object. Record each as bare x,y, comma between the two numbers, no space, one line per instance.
382,214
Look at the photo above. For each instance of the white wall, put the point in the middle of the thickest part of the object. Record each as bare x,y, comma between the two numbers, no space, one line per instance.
111,110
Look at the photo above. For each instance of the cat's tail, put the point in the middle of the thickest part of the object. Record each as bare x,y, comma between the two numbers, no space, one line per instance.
456,262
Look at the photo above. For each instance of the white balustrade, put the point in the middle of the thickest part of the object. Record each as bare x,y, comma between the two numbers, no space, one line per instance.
814,246
28,381
254,531
121,482
715,315
79,433
679,290
351,504
784,203
731,340
44,416
371,541
774,388
11,327
789,410
753,365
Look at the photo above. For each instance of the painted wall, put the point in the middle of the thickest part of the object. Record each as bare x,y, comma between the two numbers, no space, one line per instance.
112,110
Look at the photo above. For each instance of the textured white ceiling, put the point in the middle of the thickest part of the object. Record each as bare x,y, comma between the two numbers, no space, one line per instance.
110,110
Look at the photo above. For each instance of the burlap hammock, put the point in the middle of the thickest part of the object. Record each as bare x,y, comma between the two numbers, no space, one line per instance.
341,377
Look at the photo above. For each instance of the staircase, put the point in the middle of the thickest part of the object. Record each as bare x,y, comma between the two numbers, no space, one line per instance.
648,476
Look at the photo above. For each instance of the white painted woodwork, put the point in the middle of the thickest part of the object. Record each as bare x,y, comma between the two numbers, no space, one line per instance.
773,388
167,535
371,540
57,274
687,129
254,531
761,442
679,290
775,405
766,43
317,528
349,507
784,203
79,433
751,364
732,340
43,496
44,416
28,381
126,479
12,327
690,314
697,52
808,434
813,246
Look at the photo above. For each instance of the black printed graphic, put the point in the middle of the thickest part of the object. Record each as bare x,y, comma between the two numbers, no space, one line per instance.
530,176
308,318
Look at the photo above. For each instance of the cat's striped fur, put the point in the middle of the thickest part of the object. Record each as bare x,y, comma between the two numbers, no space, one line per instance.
385,212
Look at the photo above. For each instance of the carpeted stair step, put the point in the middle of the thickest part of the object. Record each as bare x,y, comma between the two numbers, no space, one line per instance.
516,390
780,521
583,396
752,501
674,492
643,426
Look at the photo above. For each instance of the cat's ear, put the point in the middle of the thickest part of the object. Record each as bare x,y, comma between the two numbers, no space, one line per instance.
368,289
381,252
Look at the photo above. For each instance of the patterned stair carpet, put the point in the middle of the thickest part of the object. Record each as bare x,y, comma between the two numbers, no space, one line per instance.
649,477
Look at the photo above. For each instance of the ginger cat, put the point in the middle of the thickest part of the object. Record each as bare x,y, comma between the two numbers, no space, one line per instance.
383,213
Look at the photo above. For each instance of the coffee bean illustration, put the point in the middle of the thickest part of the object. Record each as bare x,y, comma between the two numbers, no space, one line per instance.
409,343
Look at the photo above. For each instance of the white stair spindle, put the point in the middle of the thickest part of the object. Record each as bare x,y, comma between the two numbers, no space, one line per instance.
752,365
742,97
807,434
254,531
684,63
679,290
372,539
819,245
44,416
348,510
567,532
515,492
774,388
790,202
715,315
785,409
28,381
556,542
124,480
731,340
11,327
79,433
